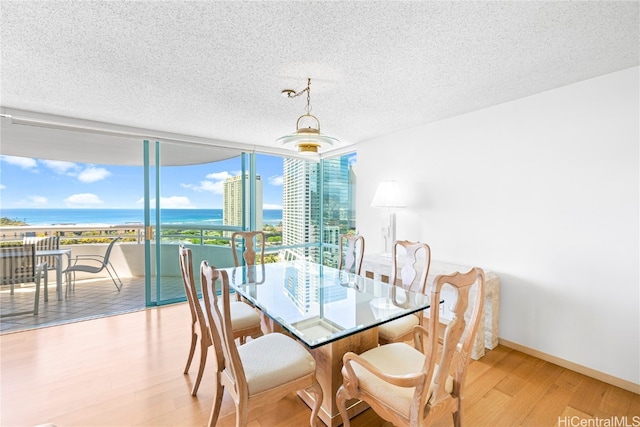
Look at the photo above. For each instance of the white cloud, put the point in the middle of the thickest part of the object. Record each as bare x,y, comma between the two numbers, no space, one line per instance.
210,186
219,176
214,183
271,206
276,180
61,168
2,186
93,174
175,202
22,162
33,201
38,200
82,200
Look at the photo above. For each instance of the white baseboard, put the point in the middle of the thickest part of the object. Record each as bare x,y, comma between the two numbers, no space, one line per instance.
600,376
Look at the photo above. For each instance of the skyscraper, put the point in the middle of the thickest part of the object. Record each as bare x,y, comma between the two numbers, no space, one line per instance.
338,201
301,204
300,208
232,201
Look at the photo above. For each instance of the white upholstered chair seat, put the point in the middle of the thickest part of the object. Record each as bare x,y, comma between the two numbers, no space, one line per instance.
393,359
243,316
392,331
272,360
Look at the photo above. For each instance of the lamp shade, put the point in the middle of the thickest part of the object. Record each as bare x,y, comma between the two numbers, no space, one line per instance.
389,194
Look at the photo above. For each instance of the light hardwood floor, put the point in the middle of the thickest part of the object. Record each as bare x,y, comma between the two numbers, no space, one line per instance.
126,370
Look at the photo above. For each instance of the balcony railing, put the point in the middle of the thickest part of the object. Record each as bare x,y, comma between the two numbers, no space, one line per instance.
71,234
129,259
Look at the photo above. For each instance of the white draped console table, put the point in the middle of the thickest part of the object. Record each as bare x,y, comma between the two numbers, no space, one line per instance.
379,266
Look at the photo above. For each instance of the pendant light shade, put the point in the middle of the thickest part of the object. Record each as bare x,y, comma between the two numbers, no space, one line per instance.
307,138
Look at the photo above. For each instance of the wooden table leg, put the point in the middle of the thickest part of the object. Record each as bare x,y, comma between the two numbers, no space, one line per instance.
328,366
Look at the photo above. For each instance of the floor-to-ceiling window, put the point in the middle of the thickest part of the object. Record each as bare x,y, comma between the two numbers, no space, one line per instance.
301,205
338,203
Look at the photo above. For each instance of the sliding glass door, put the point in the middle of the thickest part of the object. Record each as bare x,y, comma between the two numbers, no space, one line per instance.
183,205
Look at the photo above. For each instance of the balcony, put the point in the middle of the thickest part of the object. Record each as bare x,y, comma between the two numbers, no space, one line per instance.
95,295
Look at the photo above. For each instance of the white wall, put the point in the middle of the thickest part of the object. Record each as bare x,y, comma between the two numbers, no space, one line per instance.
545,192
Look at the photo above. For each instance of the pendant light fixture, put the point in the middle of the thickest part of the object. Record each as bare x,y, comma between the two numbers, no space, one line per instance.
307,137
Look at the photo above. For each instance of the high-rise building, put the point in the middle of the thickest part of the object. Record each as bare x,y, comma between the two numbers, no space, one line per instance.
331,235
232,201
300,208
301,214
338,205
338,196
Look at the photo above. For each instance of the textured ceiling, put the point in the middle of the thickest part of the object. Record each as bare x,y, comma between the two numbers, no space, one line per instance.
216,69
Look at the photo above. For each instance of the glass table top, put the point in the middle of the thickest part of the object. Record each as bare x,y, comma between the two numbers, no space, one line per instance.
320,304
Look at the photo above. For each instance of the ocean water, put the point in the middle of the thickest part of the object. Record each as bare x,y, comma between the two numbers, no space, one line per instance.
124,216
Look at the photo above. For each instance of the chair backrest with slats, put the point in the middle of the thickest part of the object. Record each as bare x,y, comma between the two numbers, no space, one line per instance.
48,244
18,264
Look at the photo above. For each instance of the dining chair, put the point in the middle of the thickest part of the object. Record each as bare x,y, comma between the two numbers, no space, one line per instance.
259,372
408,258
18,265
351,252
414,385
93,264
253,243
245,320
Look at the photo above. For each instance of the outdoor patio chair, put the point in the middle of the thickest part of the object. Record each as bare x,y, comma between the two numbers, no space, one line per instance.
18,265
48,243
93,264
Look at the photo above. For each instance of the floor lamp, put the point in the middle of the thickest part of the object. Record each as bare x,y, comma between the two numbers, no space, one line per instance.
389,196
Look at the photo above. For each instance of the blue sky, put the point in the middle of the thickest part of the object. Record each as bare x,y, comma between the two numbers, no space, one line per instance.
34,183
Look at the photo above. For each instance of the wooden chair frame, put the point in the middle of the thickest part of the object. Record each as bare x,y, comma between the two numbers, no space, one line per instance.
230,372
252,249
406,276
199,324
437,388
351,256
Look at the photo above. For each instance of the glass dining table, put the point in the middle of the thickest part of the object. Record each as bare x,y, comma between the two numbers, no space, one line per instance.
328,310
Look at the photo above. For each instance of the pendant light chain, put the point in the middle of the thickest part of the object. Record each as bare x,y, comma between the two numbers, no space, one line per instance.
308,96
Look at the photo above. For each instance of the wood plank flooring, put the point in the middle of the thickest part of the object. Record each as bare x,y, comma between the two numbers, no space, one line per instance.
126,370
